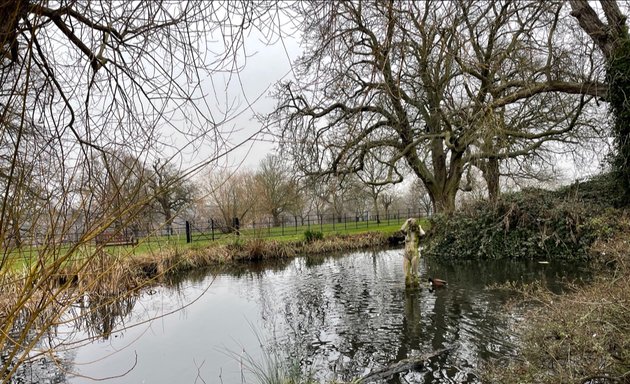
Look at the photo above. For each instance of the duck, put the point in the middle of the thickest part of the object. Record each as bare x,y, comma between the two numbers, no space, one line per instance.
437,283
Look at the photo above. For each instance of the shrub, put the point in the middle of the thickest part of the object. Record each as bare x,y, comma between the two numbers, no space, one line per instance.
310,236
532,224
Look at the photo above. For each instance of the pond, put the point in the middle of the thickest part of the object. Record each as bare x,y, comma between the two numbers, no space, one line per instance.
335,317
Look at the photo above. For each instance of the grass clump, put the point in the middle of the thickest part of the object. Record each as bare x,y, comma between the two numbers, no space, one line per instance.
312,235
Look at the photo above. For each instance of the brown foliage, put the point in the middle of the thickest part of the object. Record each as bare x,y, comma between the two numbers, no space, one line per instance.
580,337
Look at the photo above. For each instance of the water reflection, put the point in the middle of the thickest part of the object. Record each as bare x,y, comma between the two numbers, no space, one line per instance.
338,317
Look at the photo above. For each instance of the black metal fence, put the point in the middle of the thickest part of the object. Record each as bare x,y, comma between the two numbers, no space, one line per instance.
216,229
213,229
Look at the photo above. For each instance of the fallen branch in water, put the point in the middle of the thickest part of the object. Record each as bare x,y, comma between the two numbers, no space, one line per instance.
401,366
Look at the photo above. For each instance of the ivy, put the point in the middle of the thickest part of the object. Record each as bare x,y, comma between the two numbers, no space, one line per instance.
532,224
618,78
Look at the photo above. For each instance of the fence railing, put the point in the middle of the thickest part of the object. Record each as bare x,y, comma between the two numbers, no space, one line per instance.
216,229
291,225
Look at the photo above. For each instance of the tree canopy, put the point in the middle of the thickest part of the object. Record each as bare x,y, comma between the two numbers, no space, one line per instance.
442,86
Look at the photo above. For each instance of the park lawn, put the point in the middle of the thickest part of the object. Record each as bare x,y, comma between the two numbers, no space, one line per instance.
286,234
21,259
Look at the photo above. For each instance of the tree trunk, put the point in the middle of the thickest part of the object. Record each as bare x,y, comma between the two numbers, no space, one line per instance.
276,219
445,183
490,171
168,218
17,234
375,201
613,40
444,203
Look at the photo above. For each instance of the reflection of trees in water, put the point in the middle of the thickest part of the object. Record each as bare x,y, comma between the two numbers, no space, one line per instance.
332,309
50,353
98,316
344,316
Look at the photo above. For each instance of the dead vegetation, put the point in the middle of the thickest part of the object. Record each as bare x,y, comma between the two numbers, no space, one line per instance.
117,273
582,336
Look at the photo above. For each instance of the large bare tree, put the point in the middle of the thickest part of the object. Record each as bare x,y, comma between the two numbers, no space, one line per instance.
171,192
441,85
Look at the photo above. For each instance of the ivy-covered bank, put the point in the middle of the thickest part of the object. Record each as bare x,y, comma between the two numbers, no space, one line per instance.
531,224
582,336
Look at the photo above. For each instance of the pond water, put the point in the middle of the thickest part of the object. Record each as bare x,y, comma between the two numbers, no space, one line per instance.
336,317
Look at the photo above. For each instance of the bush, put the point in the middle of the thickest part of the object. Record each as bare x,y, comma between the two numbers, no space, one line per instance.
310,236
580,337
531,224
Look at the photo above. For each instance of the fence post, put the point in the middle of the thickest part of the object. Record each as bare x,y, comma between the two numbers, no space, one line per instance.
321,223
367,222
345,221
295,217
212,228
236,225
268,227
308,222
283,226
333,218
188,234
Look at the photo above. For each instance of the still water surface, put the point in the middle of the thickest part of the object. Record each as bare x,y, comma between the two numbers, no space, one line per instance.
337,317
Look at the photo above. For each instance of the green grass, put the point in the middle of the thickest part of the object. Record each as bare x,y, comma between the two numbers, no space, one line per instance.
287,234
24,257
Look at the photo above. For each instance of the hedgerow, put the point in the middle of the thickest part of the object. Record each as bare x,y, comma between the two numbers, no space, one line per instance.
530,224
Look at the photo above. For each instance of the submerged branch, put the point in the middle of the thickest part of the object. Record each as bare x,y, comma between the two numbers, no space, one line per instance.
401,366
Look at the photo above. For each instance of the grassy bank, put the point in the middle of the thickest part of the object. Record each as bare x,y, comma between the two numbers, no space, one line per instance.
176,260
583,335
114,270
579,337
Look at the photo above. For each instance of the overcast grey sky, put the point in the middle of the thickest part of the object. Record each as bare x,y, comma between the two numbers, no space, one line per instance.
247,92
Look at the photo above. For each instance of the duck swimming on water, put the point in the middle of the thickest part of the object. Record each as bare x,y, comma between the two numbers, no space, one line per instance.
437,283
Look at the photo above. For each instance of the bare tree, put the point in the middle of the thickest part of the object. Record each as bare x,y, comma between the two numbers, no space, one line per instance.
440,85
387,199
118,191
378,176
418,199
315,194
232,194
278,188
170,192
